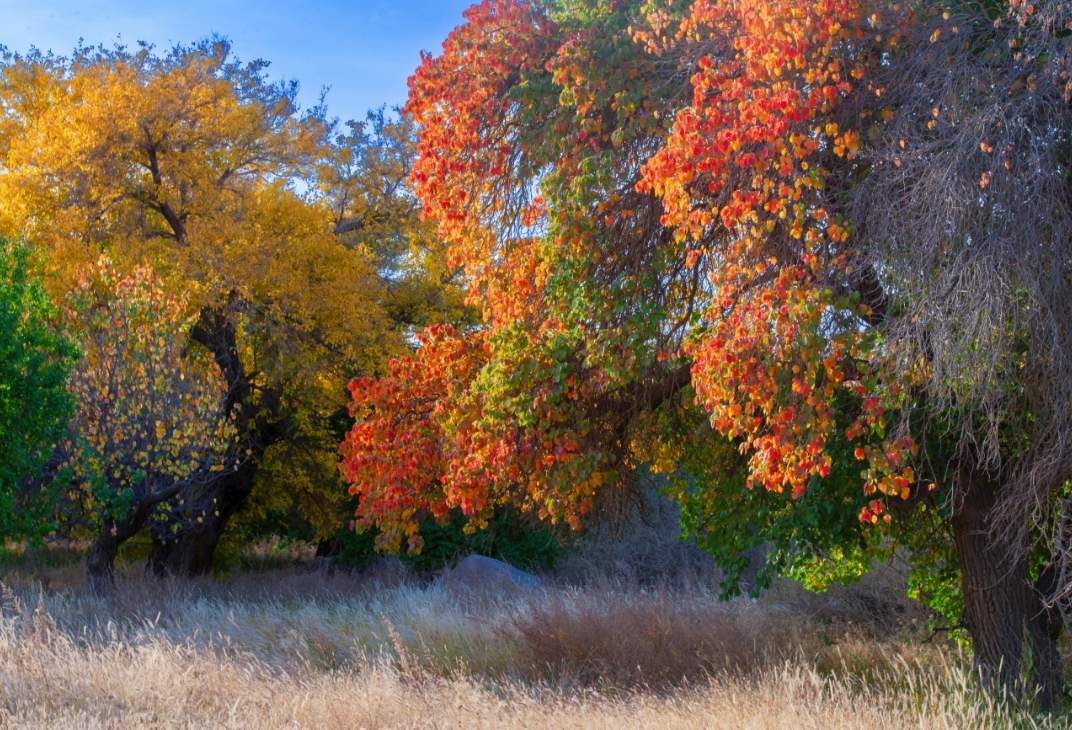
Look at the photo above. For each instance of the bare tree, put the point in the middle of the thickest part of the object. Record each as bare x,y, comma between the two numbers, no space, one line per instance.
965,221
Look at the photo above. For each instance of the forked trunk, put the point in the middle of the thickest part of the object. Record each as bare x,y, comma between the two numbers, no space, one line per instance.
996,586
100,562
191,555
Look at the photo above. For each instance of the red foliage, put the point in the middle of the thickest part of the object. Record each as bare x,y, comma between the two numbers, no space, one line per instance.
527,136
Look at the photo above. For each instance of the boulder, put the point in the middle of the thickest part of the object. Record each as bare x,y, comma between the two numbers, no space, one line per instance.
477,571
388,570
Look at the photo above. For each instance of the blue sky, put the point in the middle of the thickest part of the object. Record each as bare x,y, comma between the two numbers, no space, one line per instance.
363,49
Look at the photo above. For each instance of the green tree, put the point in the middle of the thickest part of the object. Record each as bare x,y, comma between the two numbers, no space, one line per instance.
34,403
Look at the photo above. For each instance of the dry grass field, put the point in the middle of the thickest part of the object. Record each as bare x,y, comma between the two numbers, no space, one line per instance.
297,649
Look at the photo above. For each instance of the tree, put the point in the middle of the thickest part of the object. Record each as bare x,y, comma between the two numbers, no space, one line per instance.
362,179
34,404
150,434
969,184
191,161
698,235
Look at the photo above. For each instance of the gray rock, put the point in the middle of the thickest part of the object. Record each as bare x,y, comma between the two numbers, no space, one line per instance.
388,570
477,571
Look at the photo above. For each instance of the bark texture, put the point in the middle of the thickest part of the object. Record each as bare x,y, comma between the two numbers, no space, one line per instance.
100,562
1044,629
191,554
996,586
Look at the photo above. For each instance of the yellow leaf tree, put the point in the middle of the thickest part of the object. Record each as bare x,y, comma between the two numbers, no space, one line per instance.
197,164
362,178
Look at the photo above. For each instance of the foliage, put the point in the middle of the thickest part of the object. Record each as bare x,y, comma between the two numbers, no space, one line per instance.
299,247
34,403
730,518
384,465
149,428
364,182
522,430
615,254
507,537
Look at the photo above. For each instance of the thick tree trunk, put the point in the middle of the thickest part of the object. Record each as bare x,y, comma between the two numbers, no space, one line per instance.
191,555
996,586
100,562
1044,628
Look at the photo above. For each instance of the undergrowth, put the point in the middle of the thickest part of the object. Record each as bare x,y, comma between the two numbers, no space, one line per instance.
335,649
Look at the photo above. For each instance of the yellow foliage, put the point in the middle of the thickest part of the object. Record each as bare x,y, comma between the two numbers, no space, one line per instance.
188,161
296,240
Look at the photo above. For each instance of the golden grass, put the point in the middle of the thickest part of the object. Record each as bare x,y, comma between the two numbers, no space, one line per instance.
308,650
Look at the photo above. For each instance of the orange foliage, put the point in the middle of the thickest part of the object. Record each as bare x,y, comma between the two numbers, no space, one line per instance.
550,163
393,456
469,151
748,157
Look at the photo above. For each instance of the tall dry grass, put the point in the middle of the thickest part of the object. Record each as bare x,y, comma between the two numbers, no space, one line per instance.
292,649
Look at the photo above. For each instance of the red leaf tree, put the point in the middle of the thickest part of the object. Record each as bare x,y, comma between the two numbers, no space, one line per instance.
665,205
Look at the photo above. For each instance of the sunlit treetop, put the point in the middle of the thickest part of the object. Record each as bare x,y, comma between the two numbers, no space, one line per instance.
192,161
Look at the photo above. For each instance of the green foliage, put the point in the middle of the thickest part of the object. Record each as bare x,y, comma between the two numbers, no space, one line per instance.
34,404
356,549
508,537
818,538
935,577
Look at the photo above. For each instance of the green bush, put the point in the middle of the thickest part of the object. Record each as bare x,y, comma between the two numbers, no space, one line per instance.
508,537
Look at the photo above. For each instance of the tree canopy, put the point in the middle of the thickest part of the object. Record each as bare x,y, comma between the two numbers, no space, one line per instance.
298,246
809,257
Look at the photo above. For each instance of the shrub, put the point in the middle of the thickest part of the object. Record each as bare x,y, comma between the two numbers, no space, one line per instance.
508,537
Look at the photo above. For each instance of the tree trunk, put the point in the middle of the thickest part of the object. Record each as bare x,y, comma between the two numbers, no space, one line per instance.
1044,627
191,555
100,562
996,586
